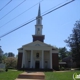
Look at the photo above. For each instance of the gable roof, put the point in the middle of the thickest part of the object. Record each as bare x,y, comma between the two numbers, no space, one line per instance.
37,43
20,48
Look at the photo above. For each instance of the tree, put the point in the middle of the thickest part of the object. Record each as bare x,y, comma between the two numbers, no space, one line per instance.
10,54
5,55
63,53
73,42
11,62
1,54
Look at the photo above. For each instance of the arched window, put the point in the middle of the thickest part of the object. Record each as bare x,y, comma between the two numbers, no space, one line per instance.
37,55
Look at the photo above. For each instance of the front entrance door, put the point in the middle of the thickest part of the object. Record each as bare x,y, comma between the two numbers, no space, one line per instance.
37,64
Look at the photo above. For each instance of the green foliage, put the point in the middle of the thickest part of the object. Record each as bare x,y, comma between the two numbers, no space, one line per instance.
62,68
1,54
11,62
63,52
73,42
10,54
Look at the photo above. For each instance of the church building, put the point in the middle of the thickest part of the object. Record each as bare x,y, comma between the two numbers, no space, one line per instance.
37,54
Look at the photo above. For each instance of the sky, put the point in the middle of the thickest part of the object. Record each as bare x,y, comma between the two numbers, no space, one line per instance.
57,26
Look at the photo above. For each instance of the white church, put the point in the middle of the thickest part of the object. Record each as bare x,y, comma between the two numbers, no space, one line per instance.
37,54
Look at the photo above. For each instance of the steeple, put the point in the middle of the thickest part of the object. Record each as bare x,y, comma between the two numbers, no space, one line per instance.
39,11
39,17
38,27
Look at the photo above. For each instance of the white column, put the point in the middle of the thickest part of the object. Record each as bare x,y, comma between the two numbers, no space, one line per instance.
31,64
26,61
50,59
42,58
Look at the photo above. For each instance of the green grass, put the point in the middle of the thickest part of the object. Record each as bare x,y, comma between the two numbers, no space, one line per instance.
67,75
10,75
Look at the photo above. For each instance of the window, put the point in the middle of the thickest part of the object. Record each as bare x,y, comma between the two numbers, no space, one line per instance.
37,55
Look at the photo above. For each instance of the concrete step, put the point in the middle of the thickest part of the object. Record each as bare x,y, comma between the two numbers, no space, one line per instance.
28,79
31,77
35,75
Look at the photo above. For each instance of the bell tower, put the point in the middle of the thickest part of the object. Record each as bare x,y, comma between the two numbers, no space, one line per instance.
38,28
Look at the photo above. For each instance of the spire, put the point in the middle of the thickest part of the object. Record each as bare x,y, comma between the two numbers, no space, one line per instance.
39,11
38,27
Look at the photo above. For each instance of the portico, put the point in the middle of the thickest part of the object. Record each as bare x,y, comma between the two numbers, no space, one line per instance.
37,56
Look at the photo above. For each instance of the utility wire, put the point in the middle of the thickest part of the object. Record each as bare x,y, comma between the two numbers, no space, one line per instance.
27,10
20,14
5,5
55,6
58,7
35,18
12,9
17,28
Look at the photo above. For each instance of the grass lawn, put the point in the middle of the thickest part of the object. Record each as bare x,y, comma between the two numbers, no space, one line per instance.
67,75
10,75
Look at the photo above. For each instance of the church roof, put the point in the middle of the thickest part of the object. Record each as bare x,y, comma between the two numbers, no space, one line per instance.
37,42
20,48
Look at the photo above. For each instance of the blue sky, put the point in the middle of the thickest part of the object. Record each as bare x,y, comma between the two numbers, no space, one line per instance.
57,26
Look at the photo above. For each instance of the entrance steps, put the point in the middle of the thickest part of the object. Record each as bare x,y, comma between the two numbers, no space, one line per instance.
31,76
29,79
